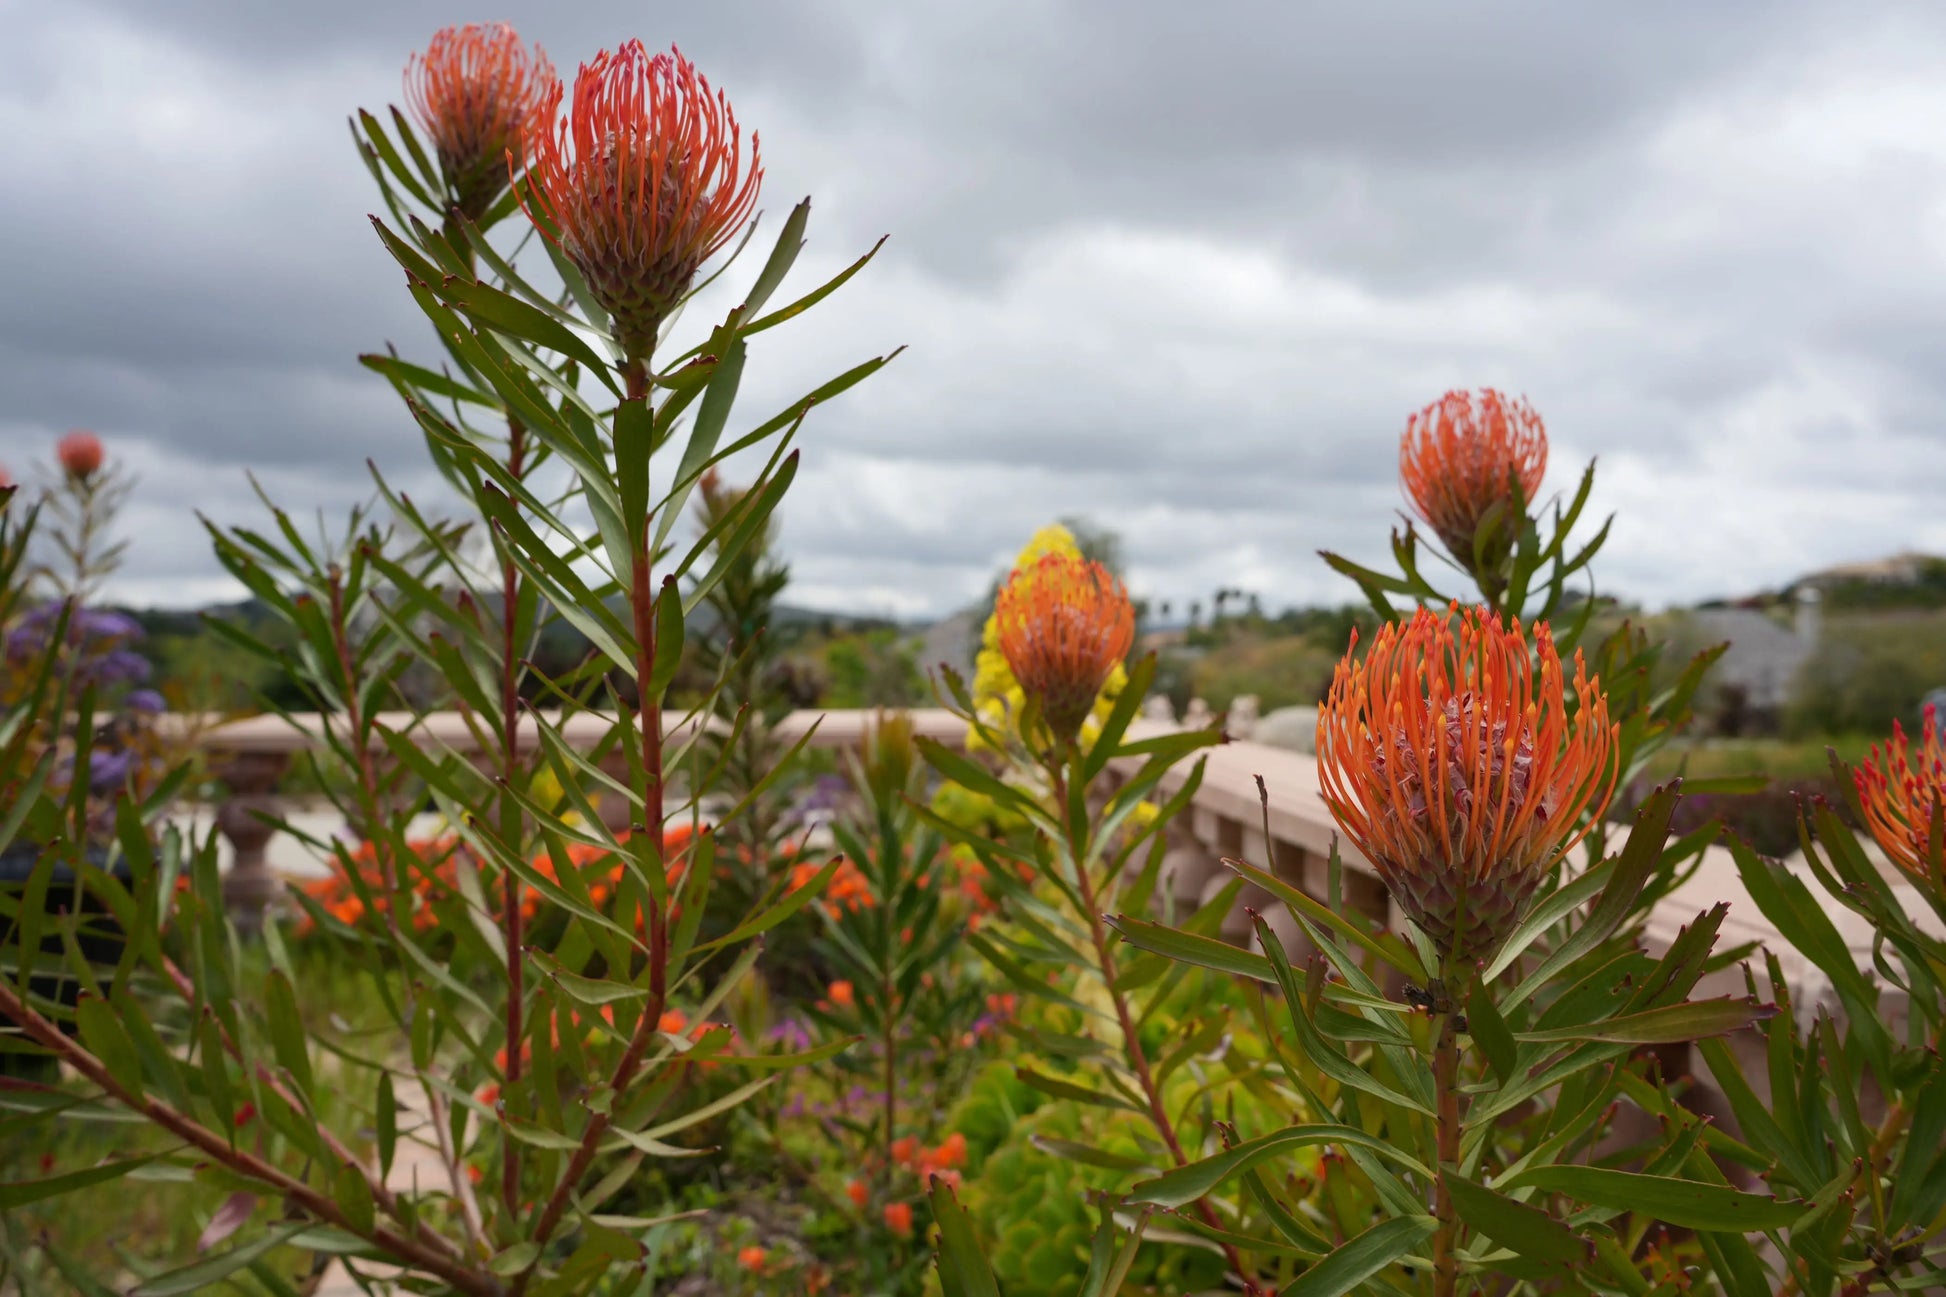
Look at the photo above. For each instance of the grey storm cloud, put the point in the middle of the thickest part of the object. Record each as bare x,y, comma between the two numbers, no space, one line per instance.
1180,269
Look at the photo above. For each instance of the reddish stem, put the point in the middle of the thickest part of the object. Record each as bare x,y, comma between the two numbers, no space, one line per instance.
642,603
510,820
1137,1058
1445,1241
434,1257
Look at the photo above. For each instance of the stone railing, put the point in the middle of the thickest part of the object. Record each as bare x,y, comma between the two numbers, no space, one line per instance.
1226,818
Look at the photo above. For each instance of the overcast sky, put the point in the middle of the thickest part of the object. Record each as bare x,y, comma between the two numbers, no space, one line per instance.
1182,268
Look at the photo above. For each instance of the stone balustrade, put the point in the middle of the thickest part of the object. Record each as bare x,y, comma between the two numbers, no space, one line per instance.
1226,818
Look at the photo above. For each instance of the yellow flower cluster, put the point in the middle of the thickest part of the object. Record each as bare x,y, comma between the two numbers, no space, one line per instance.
997,696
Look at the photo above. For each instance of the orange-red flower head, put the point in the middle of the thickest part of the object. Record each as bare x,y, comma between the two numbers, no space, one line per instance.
898,1218
474,92
80,454
1462,455
1902,793
753,1258
1065,624
1450,757
642,182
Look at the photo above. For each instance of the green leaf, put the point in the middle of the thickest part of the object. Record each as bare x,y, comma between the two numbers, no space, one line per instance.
1687,1204
1061,1089
197,1277
1205,952
515,1259
591,991
783,255
1363,1257
1489,1031
1675,1023
963,1270
18,1193
1187,1184
504,313
286,1027
1517,1225
385,1113
1639,858
102,1033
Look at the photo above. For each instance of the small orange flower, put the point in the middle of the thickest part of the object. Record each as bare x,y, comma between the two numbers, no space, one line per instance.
672,1021
752,1259
473,92
1453,761
1902,795
842,995
1462,455
80,454
952,1152
858,1193
898,1218
905,1149
642,182
1065,624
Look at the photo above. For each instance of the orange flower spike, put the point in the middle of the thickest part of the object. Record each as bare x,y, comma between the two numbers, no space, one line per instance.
642,182
80,454
1460,456
858,1193
753,1258
842,994
898,1218
1902,796
1065,624
473,92
1450,758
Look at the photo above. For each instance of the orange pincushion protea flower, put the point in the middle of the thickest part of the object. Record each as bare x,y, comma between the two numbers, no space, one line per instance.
80,454
1450,758
473,92
1460,456
1901,796
1065,624
643,181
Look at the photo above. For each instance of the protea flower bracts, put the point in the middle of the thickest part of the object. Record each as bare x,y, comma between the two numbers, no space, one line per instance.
1450,757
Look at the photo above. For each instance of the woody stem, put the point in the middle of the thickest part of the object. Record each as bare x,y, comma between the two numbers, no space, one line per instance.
1445,1070
1131,1043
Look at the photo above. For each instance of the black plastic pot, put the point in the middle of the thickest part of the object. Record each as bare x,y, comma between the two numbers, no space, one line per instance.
98,936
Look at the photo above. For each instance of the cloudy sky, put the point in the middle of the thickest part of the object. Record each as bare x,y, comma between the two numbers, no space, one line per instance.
1184,269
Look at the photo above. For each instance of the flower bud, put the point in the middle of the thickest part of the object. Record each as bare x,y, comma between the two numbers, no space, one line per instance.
80,454
1064,625
474,92
1461,458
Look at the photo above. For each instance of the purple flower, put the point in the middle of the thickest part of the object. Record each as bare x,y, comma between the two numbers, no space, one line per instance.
791,1033
108,770
146,702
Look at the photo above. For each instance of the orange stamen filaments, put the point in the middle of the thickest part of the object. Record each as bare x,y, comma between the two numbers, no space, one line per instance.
1450,758
1065,624
473,92
642,182
1461,455
1902,796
